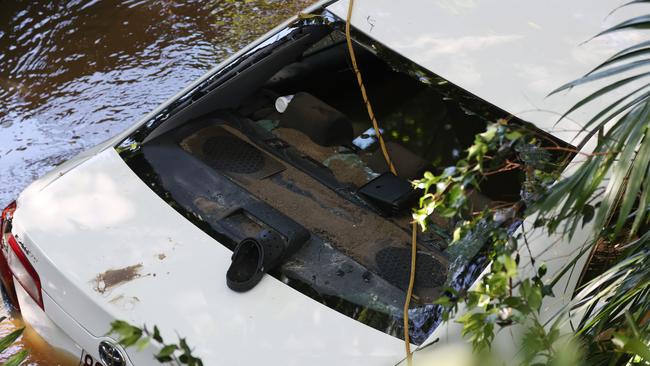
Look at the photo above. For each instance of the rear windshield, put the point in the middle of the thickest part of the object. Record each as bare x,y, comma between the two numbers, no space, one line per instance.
281,139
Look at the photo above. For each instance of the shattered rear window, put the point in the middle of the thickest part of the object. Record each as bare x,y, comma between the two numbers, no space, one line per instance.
244,165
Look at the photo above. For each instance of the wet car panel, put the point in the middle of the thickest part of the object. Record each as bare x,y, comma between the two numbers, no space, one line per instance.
131,225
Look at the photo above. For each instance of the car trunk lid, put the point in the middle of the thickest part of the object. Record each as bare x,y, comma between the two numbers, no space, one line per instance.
107,248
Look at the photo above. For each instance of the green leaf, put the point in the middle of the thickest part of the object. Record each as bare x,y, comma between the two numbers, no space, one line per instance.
638,175
184,346
534,299
142,343
490,133
513,301
644,204
168,350
17,358
532,294
510,265
444,301
514,135
588,212
156,335
633,346
10,338
541,271
128,334
121,328
631,127
547,290
130,340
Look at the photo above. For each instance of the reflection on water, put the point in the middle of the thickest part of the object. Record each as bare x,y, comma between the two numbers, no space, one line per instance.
73,73
40,352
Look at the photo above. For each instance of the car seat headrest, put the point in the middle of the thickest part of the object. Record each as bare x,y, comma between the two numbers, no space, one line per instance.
323,124
408,164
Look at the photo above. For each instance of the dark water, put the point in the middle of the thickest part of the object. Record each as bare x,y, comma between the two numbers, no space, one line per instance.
74,73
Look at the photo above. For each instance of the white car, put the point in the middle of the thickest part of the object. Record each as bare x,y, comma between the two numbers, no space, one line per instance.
142,228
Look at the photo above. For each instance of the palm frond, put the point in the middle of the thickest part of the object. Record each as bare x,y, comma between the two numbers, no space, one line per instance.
615,303
615,179
602,91
9,339
593,76
17,359
633,2
622,153
640,22
622,56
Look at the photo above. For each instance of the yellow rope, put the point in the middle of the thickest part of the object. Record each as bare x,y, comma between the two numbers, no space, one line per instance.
389,162
371,114
409,293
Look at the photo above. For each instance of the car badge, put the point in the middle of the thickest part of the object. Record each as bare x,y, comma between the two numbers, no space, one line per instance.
111,355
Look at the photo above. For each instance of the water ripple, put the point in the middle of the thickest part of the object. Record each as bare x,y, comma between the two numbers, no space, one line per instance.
73,73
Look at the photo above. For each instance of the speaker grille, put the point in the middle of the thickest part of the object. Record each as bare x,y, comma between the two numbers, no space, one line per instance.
395,263
230,154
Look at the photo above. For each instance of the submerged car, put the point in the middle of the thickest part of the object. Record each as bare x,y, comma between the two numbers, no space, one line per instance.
274,146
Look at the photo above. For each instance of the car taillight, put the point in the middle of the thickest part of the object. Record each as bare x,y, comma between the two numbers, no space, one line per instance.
5,273
7,213
17,261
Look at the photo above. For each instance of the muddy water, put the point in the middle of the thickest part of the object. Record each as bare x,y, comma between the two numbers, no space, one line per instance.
40,352
74,73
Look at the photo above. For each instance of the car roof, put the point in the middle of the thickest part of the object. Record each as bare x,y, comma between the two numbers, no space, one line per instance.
511,53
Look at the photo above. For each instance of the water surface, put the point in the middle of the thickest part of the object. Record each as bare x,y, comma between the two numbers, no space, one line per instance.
75,73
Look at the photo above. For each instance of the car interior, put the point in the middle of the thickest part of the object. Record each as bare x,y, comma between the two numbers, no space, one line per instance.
282,143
